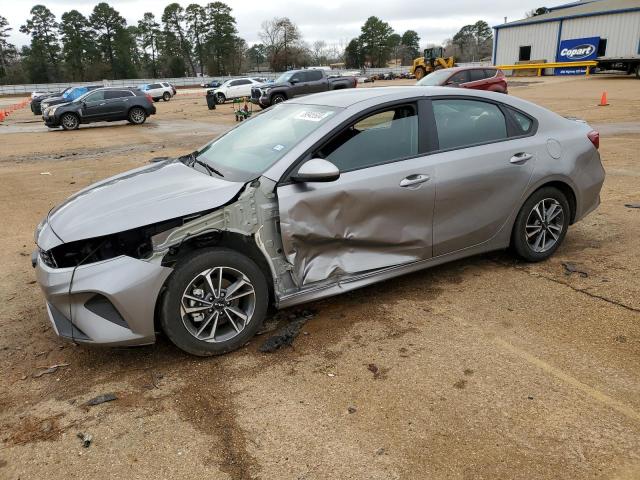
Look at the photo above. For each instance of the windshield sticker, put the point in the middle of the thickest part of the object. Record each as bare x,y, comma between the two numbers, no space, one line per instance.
312,116
278,147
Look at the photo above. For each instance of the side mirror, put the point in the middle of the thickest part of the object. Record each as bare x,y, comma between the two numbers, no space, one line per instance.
316,170
294,81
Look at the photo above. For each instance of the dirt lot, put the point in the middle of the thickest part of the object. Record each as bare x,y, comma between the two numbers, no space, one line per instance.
486,368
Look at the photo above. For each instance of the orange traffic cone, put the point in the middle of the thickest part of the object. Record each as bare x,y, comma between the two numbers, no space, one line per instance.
1,115
603,100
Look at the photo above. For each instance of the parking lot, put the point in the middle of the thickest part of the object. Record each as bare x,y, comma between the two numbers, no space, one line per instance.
486,368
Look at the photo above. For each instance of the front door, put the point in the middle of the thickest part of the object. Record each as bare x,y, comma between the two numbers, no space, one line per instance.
377,214
94,105
485,162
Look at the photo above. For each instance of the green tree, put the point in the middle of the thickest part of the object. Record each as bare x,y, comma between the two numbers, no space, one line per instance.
106,23
411,43
474,42
42,27
75,33
257,55
7,50
126,53
375,41
196,20
174,21
353,54
221,39
149,39
394,43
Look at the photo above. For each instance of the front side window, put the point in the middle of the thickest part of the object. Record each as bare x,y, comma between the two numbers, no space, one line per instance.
95,96
458,78
154,86
241,155
382,137
462,123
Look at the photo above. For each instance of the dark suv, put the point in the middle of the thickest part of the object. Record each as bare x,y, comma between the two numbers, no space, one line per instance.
101,105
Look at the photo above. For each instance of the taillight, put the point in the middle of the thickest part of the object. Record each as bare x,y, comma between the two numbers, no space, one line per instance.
594,136
149,97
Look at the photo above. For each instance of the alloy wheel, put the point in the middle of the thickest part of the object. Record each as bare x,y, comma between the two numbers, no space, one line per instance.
544,225
137,115
218,304
70,122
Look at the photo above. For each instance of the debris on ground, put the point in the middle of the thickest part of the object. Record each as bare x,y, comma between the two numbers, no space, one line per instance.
570,268
351,409
286,335
632,205
380,451
48,370
107,397
373,368
86,438
45,173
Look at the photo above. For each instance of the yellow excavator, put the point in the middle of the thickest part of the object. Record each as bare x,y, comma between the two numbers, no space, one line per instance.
433,60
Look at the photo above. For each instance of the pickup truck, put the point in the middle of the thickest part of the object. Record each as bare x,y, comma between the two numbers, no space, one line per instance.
298,82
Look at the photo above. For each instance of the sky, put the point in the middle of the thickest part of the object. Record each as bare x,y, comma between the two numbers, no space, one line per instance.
334,21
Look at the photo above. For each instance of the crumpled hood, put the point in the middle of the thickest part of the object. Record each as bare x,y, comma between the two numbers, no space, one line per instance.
139,197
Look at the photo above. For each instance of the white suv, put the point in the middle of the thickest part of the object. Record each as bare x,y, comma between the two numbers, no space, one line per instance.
238,87
160,90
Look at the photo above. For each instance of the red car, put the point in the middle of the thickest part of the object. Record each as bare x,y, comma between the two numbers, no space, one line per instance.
477,78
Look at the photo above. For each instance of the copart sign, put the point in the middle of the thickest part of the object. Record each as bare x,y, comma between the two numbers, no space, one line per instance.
577,50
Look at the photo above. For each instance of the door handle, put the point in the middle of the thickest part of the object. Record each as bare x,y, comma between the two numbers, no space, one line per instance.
413,180
520,158
103,103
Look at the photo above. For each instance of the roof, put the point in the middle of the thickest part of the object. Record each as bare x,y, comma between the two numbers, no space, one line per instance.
584,8
347,97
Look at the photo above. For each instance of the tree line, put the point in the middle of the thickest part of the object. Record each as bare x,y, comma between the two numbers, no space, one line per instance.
197,40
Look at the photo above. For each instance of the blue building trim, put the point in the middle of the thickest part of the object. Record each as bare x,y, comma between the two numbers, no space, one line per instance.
569,17
559,40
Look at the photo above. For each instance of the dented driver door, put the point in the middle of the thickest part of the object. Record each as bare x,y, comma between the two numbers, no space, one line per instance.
378,214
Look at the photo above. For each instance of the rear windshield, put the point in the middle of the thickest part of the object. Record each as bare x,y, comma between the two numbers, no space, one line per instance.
248,150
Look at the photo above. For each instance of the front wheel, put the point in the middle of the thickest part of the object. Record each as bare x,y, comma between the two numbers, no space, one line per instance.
220,98
541,224
166,96
638,71
277,98
137,116
215,301
70,121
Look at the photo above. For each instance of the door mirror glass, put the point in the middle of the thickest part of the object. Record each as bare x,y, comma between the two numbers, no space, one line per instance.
294,81
316,170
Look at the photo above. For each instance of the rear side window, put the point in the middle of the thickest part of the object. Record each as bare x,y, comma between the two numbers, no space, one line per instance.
110,94
462,123
489,73
382,137
523,123
476,74
154,86
314,75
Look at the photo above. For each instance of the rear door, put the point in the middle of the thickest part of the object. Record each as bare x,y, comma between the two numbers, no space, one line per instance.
377,214
117,102
484,161
316,81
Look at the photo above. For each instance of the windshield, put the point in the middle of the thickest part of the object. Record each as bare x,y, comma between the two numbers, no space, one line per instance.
248,150
284,78
435,79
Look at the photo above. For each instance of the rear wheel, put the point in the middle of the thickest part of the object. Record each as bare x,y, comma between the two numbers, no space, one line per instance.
70,121
137,116
638,71
541,224
420,73
215,302
166,96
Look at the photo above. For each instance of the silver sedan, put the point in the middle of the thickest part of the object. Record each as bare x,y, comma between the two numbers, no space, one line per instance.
311,198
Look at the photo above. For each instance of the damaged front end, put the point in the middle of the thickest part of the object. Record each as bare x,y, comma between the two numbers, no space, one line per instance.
105,289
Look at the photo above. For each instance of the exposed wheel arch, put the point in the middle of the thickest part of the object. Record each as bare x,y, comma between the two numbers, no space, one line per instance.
568,192
235,241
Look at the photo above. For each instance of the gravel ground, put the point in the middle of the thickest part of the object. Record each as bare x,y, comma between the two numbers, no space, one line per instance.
484,368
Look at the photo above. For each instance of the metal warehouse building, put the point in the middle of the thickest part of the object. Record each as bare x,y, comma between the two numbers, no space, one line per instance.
604,30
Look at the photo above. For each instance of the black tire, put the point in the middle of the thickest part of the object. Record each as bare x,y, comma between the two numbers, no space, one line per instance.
166,96
420,73
638,71
278,98
137,116
70,121
156,100
220,98
519,242
183,277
